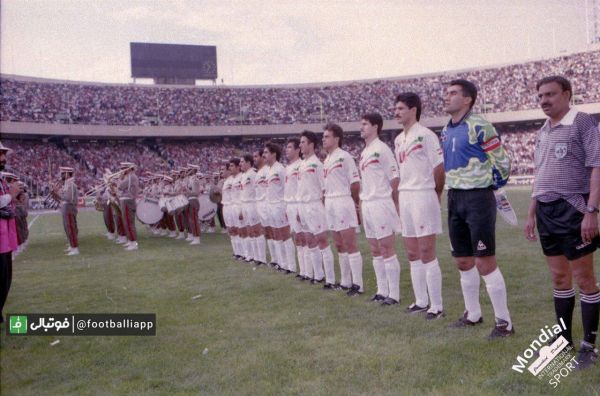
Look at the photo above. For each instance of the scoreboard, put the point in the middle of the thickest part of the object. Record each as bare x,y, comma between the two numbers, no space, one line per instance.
173,61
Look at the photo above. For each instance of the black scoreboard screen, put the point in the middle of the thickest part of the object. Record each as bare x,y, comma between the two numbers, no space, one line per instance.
197,62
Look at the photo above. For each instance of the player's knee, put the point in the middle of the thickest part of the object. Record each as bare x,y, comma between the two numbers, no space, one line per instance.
586,282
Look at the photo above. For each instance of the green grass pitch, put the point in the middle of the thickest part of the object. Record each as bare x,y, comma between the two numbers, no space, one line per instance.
264,333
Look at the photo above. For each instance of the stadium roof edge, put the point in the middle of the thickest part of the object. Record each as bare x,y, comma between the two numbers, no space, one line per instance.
297,85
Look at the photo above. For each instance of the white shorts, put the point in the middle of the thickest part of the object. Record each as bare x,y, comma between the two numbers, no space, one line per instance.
312,217
277,217
380,218
250,214
263,213
341,213
420,213
291,209
234,216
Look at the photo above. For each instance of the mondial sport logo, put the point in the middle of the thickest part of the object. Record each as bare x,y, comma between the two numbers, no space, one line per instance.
551,362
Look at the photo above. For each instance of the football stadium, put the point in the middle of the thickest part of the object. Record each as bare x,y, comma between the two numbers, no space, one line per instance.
176,234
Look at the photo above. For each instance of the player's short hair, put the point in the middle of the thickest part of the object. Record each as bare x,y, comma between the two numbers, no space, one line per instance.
374,119
295,141
337,131
311,136
468,89
274,148
250,159
235,161
565,84
411,100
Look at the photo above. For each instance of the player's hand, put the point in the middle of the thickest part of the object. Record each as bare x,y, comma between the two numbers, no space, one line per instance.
529,229
241,216
589,227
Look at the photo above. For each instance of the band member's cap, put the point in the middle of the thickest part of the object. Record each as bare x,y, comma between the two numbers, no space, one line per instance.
65,169
127,165
168,178
192,166
3,148
9,176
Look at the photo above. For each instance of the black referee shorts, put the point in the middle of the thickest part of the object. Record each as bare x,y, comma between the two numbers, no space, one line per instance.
559,226
472,222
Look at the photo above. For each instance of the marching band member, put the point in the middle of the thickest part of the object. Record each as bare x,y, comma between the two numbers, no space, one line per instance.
129,187
68,198
193,191
102,199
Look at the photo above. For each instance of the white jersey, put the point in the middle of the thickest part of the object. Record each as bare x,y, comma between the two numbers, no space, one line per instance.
275,183
248,186
340,173
236,190
292,173
227,191
377,169
418,152
311,181
261,183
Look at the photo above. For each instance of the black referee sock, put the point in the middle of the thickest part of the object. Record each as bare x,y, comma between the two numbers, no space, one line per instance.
564,303
590,310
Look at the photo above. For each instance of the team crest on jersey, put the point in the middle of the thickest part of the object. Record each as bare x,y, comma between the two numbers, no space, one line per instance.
560,150
372,159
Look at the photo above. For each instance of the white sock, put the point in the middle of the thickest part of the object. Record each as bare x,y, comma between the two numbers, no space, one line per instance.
308,267
233,245
469,282
345,271
433,275
253,248
496,288
382,283
281,255
316,260
261,249
356,263
392,272
291,256
245,247
300,254
328,265
272,251
239,246
419,283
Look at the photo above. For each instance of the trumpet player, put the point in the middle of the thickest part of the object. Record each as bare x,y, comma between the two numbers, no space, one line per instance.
128,190
68,207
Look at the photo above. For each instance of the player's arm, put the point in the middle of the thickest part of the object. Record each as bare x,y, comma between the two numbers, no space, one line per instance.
529,229
394,184
490,142
589,225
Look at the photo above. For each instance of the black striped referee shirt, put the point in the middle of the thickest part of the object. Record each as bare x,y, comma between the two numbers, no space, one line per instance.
564,157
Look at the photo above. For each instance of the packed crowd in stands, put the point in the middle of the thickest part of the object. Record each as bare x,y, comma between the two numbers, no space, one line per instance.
502,89
37,162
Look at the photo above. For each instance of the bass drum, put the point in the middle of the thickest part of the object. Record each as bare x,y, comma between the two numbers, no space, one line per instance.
208,209
148,211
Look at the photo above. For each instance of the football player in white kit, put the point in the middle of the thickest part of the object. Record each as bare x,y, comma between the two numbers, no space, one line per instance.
282,243
342,188
422,176
292,153
227,210
312,212
235,208
379,205
262,207
250,221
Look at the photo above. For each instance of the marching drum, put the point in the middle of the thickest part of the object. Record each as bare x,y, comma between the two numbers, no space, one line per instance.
148,211
176,203
208,209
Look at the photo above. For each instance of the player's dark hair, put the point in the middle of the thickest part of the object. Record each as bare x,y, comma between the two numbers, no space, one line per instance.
468,89
250,159
337,131
311,136
565,84
274,148
295,141
411,100
235,161
374,119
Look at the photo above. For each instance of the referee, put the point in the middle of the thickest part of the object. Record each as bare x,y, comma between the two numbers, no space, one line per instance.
565,199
